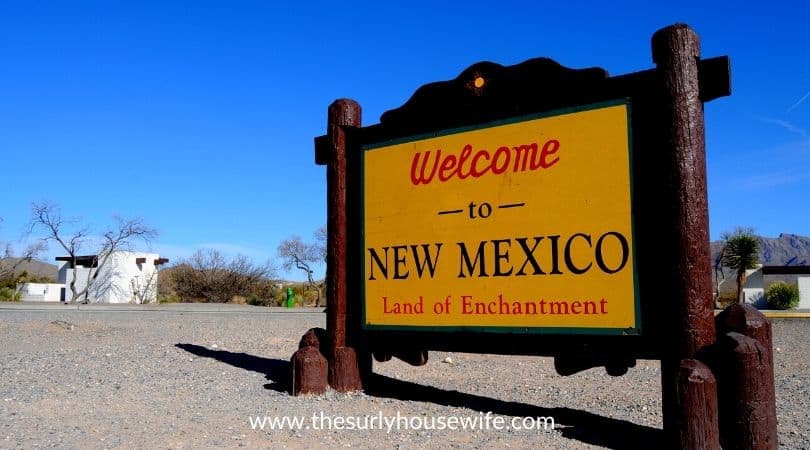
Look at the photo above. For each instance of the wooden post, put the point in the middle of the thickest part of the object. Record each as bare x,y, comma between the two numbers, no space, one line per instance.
697,390
745,373
344,374
308,365
749,321
676,51
747,407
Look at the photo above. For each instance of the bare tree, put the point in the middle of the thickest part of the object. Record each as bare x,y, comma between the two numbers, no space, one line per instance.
10,262
74,238
143,291
210,277
320,241
296,253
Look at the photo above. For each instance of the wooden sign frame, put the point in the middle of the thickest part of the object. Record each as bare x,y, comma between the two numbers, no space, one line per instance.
670,230
534,87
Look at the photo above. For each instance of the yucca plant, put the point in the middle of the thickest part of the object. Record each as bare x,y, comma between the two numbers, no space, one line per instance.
740,253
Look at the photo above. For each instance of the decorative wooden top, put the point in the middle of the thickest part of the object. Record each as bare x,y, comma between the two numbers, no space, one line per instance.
488,91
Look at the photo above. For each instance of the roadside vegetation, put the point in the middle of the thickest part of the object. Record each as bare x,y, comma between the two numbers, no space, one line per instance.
211,277
208,276
781,295
12,274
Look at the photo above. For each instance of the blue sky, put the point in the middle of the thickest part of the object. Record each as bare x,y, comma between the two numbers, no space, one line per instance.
198,116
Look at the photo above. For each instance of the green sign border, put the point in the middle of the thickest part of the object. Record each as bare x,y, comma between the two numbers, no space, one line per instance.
634,330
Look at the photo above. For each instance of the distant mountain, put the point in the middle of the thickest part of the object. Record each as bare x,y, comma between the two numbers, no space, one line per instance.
34,267
785,250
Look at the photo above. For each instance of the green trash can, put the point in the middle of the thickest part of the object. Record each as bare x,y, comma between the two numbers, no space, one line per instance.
290,298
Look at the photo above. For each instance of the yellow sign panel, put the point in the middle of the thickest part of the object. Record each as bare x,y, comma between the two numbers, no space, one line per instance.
519,226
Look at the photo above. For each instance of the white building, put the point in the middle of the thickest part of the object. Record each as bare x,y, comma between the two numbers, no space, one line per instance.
125,277
804,293
802,274
754,287
42,292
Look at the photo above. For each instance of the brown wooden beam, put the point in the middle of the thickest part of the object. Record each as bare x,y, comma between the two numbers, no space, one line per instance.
676,51
344,374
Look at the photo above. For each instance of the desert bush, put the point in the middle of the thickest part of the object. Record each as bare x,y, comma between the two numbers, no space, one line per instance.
256,300
783,296
302,296
168,298
165,282
263,293
9,295
211,277
280,299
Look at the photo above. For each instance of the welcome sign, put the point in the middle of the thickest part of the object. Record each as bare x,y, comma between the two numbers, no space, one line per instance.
517,226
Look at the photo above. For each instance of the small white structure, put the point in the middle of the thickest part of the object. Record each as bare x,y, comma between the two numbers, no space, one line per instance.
125,277
42,292
754,288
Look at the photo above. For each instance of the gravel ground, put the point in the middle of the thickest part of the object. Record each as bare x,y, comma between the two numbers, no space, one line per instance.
169,379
